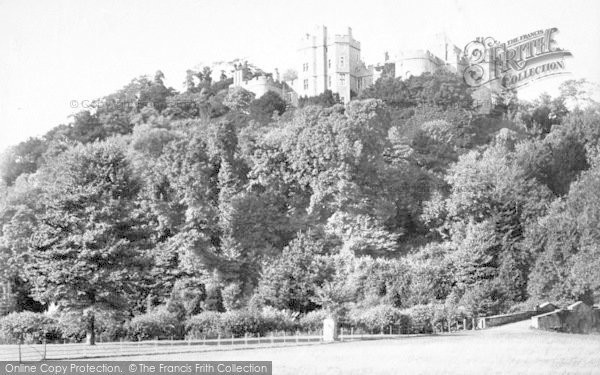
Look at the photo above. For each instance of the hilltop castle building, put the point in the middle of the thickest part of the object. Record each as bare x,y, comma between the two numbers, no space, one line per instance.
331,63
440,55
327,62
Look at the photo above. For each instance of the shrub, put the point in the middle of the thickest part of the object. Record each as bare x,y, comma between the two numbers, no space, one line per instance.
31,327
377,318
240,322
186,297
72,326
210,324
158,323
422,318
313,321
231,295
206,324
278,320
109,325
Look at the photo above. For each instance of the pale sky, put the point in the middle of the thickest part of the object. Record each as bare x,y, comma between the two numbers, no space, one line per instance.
53,52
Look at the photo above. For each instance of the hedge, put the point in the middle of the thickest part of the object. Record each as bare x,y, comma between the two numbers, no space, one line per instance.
157,323
32,327
238,323
376,318
108,325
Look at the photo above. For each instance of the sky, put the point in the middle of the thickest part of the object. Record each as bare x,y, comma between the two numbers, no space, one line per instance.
56,52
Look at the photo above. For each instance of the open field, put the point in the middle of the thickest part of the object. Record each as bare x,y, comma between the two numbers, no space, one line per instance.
510,349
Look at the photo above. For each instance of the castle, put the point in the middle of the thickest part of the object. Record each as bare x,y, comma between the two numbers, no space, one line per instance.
327,62
331,63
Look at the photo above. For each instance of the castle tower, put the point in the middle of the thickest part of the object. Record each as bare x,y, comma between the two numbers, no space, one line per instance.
334,64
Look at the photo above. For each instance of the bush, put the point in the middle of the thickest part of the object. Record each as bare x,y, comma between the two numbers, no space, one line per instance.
31,327
186,297
240,322
210,324
72,326
109,325
313,321
377,318
206,324
158,323
422,318
278,320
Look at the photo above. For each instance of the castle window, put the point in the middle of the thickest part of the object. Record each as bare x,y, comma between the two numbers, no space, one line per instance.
329,63
306,84
342,61
342,79
329,81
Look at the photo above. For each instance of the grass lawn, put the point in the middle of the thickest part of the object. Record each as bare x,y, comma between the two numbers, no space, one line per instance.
510,349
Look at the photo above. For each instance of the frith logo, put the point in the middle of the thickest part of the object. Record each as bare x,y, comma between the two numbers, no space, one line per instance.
515,63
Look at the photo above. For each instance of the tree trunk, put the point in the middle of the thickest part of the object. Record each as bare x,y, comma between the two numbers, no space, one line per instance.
90,331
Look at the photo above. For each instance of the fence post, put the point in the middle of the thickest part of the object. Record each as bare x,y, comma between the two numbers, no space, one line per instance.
390,329
351,333
44,357
246,339
219,339
232,339
272,339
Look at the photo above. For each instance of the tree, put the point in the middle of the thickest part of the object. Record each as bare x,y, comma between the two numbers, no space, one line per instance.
543,113
89,248
565,242
325,99
263,108
239,99
26,157
491,203
291,281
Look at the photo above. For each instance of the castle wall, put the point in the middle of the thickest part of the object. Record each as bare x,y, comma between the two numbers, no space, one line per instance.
415,63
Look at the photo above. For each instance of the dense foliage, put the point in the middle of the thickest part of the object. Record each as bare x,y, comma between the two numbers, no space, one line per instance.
211,211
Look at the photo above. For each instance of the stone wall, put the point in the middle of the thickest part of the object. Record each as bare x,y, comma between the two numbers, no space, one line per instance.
577,318
497,320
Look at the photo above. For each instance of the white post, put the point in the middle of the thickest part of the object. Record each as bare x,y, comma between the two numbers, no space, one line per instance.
330,332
